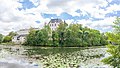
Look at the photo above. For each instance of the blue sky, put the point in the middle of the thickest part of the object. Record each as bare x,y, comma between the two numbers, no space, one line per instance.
20,14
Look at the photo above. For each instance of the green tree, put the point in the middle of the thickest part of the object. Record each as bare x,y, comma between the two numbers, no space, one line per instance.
103,39
46,31
12,34
1,38
38,37
64,35
69,38
114,58
55,37
7,39
95,40
116,25
71,35
30,39
84,33
61,33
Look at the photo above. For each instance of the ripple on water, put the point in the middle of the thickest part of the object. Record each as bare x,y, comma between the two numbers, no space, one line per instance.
55,57
8,60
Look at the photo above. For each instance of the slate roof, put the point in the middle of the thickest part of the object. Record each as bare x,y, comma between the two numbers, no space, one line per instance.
55,20
18,36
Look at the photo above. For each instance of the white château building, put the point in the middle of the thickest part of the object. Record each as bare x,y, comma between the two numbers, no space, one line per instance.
54,23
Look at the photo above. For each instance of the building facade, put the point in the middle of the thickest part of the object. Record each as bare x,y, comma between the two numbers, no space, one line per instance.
54,23
21,36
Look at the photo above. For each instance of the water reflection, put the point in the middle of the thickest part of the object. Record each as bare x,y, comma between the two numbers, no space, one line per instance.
11,57
55,57
67,57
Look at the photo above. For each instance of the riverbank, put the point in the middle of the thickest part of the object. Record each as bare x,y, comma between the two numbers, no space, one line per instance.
11,44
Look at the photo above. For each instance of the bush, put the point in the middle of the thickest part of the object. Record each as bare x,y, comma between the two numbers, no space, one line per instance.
7,39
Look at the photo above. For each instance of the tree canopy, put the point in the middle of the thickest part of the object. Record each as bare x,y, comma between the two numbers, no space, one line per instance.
1,38
72,35
114,49
9,37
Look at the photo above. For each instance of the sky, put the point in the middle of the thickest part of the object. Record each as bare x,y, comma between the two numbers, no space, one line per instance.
23,14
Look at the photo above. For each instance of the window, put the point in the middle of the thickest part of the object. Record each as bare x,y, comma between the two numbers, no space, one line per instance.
18,38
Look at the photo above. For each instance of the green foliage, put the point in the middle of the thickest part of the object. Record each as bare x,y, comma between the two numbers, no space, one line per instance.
114,50
1,38
38,37
7,39
114,38
64,35
103,39
61,33
117,25
31,40
114,58
12,34
55,38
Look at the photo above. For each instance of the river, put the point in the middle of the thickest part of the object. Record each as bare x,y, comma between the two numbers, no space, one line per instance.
51,57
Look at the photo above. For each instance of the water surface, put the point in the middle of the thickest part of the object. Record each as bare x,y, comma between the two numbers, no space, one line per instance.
56,57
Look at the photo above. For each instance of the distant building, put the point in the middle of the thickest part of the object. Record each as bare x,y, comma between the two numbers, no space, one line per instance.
54,23
19,39
21,36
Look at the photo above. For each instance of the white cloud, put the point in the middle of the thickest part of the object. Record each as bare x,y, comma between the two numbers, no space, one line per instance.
101,25
112,8
13,19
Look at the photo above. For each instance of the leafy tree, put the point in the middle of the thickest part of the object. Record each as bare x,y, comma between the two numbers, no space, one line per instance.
61,33
114,51
71,35
7,39
116,25
84,37
64,35
55,38
38,37
114,38
103,39
96,37
1,38
12,34
31,37
114,58
46,35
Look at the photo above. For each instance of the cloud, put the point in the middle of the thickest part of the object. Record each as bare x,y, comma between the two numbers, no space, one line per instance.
102,25
11,19
35,2
7,11
19,14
